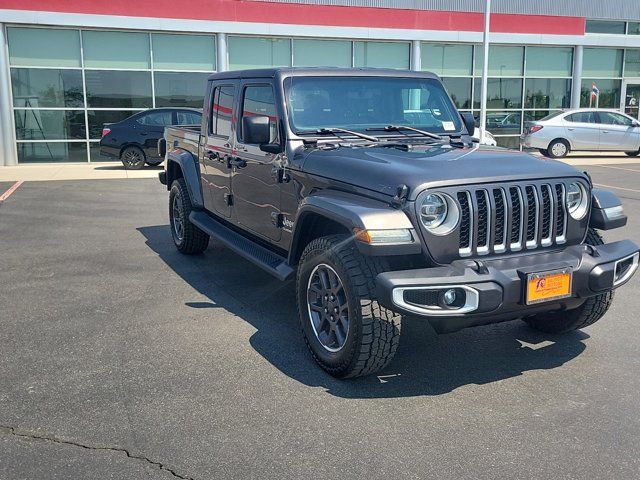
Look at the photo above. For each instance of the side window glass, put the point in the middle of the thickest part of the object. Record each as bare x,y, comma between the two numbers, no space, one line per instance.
223,110
212,117
259,100
156,119
582,117
188,118
609,118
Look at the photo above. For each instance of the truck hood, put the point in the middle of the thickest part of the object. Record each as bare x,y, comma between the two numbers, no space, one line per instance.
383,169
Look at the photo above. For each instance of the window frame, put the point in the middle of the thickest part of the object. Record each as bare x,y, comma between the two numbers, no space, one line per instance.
244,87
217,86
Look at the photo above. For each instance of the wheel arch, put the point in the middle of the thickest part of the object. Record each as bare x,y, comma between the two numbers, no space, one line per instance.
563,139
182,164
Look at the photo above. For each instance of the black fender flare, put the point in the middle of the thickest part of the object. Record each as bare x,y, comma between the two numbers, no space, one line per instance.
185,161
353,212
606,210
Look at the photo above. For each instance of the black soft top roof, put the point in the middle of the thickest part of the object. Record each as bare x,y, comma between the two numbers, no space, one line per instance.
318,71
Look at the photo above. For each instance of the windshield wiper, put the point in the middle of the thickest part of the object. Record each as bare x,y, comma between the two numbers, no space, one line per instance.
336,132
400,128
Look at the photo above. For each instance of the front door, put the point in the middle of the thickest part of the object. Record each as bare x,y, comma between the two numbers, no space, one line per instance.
618,132
217,148
632,101
256,191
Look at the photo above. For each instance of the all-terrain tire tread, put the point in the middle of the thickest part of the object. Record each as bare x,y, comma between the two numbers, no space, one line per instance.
195,240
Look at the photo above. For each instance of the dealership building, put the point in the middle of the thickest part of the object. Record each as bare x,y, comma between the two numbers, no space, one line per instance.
67,67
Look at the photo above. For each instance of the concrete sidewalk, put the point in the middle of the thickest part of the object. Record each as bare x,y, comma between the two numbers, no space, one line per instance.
111,170
74,171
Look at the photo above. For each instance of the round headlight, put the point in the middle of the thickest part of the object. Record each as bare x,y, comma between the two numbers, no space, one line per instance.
576,200
439,213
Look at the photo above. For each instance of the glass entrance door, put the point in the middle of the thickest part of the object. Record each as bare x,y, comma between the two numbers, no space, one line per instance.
632,100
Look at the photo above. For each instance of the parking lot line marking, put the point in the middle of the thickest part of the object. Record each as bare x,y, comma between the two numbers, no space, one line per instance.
618,168
619,188
8,193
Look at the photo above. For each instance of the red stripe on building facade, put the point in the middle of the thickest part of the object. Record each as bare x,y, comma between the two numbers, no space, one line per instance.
303,14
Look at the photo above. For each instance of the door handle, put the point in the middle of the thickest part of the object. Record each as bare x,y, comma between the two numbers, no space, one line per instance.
212,155
144,133
571,129
605,131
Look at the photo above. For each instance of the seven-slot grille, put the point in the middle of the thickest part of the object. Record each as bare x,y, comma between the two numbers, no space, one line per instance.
504,218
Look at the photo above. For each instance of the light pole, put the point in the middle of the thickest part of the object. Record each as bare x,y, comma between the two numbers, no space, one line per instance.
485,70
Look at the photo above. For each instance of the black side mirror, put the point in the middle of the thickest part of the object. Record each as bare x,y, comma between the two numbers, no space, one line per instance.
469,122
255,130
635,124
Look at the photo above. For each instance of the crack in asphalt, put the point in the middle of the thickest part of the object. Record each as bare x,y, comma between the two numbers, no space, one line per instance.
12,431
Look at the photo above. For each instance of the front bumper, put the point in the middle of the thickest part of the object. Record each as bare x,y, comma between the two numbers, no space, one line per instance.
494,289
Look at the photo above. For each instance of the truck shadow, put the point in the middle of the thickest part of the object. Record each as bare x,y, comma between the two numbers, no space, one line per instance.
426,363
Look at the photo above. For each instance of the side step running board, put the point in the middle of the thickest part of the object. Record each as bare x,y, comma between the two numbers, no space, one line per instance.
266,259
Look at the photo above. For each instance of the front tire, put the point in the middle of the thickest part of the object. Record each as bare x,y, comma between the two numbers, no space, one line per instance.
347,331
133,158
592,310
558,148
187,238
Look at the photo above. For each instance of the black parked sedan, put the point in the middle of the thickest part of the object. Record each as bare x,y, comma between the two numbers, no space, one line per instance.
134,140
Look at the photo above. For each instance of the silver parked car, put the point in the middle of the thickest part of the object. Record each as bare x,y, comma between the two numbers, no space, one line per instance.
583,130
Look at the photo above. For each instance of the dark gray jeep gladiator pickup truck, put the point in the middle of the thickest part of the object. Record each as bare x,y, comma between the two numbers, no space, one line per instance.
365,186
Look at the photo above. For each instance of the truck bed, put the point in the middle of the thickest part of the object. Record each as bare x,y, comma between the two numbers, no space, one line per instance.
186,137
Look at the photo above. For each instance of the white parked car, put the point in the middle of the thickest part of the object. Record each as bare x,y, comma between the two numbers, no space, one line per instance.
583,130
488,139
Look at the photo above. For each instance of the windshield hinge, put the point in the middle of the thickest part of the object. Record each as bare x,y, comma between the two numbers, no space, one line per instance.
402,192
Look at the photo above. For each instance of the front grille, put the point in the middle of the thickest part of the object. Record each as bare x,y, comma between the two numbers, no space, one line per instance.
507,218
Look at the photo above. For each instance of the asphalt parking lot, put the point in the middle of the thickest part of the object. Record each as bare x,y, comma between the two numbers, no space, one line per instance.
122,359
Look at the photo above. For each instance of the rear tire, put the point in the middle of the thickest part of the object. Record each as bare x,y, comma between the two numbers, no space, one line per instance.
360,337
592,310
133,158
632,154
155,163
558,148
188,238
543,152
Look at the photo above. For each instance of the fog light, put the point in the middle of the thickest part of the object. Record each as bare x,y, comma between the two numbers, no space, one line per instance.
449,297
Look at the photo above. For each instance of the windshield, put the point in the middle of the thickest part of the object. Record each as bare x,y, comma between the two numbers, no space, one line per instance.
365,103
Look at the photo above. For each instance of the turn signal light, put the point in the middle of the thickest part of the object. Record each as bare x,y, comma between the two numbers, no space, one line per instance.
105,131
401,235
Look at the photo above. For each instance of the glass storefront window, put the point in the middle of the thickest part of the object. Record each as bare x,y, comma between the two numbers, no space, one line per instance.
97,118
504,61
44,47
632,63
118,89
501,93
49,124
184,52
35,152
178,89
254,52
634,28
446,60
460,91
382,54
115,49
602,63
321,53
40,87
605,26
504,123
549,62
547,93
609,93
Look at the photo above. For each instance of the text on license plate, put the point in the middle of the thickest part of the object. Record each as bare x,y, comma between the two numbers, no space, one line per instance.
547,286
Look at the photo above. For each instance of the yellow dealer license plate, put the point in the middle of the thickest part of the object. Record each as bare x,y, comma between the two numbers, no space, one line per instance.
547,286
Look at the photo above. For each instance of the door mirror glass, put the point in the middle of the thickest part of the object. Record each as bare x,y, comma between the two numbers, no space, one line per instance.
256,130
469,122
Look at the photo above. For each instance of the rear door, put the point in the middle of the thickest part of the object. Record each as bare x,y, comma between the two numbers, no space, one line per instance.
583,131
256,191
149,128
217,147
617,132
